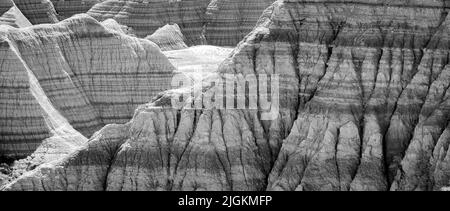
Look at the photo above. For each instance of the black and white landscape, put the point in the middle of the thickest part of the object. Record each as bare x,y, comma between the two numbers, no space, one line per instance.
231,95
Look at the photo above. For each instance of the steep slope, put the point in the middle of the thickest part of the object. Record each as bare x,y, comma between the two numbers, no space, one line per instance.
168,37
362,99
90,76
37,11
11,15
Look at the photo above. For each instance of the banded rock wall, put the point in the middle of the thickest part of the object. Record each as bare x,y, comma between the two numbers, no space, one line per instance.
11,15
230,20
222,22
84,72
363,106
38,11
146,16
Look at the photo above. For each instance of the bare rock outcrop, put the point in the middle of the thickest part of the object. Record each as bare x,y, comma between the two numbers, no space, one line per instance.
363,105
11,15
168,37
230,20
68,8
76,75
38,11
213,22
146,16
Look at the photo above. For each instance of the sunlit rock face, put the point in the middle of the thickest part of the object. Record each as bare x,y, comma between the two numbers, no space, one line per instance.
11,15
78,70
363,105
37,11
168,37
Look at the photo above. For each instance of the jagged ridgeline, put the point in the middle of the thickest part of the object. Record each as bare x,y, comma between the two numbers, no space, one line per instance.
363,106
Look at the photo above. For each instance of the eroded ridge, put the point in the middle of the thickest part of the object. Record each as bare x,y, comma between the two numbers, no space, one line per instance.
11,15
78,69
363,106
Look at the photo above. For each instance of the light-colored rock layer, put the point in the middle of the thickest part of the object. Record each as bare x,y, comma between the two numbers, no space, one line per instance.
37,11
198,62
363,106
112,24
11,15
168,37
86,73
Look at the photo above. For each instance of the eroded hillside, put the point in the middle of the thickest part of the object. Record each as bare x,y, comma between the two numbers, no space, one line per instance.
363,106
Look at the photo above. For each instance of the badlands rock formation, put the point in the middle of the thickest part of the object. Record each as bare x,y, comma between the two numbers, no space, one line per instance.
11,15
76,74
222,22
168,37
38,11
146,16
68,8
230,20
363,105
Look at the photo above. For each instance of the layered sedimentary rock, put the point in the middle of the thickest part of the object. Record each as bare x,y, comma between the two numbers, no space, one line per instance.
222,22
68,8
230,20
11,15
37,11
363,105
146,16
168,37
77,74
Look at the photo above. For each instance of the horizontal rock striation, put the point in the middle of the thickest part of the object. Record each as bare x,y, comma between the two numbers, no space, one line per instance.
168,37
68,8
11,15
363,105
38,11
230,20
222,22
78,69
146,16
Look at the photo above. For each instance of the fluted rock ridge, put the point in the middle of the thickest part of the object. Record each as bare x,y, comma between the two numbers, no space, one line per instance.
363,105
79,70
